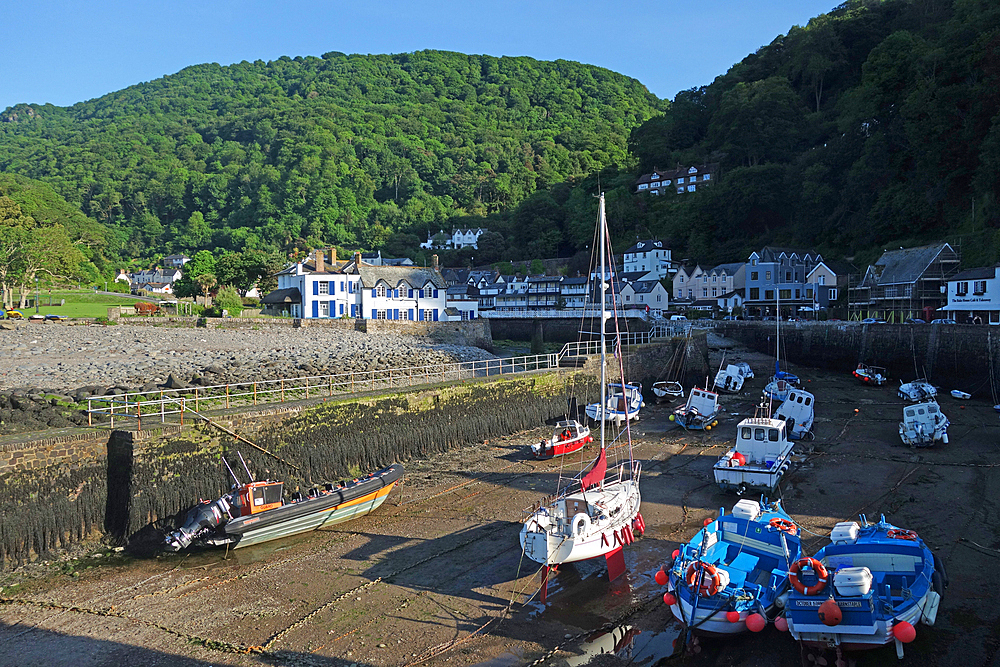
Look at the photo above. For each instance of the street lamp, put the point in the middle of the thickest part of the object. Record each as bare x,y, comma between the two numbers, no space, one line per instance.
36,295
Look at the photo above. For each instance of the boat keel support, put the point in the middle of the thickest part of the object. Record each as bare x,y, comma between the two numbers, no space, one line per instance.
616,563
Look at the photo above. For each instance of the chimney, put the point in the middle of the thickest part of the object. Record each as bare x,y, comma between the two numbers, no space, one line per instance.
320,268
333,256
434,263
357,259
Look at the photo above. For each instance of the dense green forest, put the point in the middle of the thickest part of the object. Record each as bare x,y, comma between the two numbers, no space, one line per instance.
347,150
875,125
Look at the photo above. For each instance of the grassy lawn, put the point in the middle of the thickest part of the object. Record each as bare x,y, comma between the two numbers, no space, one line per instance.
79,303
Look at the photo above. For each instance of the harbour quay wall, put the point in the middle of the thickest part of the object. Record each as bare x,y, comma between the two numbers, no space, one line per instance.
552,330
124,485
951,356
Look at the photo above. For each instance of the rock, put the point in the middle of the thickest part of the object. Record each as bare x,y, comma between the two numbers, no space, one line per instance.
174,383
7,326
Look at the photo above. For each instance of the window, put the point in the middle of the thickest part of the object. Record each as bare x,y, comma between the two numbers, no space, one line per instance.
690,294
754,293
704,279
753,275
798,294
715,279
681,280
832,294
767,275
643,186
979,287
772,434
962,288
680,180
715,291
628,297
704,291
809,293
745,432
822,279
680,293
753,262
666,182
659,297
758,434
380,291
785,294
324,308
788,276
690,188
706,177
404,314
324,287
381,315
654,184
680,191
769,295
641,298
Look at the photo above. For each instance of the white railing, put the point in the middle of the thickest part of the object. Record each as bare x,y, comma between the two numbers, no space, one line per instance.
567,313
169,405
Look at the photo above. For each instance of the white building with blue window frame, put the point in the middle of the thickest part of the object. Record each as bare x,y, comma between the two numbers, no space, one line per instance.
315,289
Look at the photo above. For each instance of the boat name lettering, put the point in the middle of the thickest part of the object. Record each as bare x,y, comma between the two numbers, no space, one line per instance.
249,521
850,604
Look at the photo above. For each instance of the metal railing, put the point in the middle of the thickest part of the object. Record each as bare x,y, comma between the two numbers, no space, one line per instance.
169,405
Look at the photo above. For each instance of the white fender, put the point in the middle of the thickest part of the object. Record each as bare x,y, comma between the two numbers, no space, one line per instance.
581,523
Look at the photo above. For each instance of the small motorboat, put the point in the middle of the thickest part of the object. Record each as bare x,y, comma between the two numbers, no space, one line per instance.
667,391
568,436
729,379
798,412
256,512
923,425
780,385
869,587
873,375
761,455
732,575
960,395
622,403
917,390
745,369
699,412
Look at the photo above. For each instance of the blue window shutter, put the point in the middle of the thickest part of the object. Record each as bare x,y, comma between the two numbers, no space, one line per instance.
315,307
395,313
410,312
353,310
420,315
435,314
374,314
435,294
315,287
411,295
373,291
341,309
341,285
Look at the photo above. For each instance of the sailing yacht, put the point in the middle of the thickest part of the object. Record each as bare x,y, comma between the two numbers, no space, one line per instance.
782,382
597,512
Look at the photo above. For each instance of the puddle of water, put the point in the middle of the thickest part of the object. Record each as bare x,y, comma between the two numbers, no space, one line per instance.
628,643
511,658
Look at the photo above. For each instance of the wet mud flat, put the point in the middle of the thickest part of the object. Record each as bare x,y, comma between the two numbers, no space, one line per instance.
436,575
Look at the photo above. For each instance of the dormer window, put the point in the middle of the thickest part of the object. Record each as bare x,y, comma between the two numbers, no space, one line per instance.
692,170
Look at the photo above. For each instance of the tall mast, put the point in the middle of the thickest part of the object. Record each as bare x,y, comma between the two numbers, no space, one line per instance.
604,316
777,327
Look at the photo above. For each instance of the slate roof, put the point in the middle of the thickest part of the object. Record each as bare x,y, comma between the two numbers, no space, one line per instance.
771,253
731,268
579,280
632,276
644,286
979,273
370,275
906,265
646,246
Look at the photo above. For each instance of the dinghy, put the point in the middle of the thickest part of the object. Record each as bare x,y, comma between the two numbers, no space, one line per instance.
873,375
917,390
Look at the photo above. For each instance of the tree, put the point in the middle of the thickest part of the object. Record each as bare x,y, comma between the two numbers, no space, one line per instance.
490,247
244,270
14,239
202,263
229,300
205,282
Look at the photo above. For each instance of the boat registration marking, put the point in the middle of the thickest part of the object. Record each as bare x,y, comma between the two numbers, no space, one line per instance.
850,604
729,526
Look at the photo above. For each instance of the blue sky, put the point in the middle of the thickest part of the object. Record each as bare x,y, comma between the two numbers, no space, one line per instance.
69,51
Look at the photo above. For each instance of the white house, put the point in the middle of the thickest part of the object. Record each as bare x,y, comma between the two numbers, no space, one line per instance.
460,238
647,256
975,293
648,295
685,282
574,292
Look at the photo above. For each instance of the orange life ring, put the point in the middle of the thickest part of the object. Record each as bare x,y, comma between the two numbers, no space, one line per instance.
901,534
707,589
784,525
818,568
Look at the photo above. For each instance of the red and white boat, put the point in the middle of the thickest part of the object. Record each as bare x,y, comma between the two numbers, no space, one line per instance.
568,437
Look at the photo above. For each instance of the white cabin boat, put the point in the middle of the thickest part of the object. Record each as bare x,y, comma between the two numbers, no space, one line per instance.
699,412
761,456
797,412
745,369
729,379
918,390
622,402
923,425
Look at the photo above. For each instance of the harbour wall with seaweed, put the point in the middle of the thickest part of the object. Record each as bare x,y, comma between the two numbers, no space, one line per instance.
128,483
955,356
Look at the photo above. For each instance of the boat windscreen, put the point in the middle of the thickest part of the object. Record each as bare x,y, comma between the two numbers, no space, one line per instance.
267,495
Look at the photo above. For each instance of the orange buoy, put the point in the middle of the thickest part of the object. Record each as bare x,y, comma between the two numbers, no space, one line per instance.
904,632
856,411
830,613
755,622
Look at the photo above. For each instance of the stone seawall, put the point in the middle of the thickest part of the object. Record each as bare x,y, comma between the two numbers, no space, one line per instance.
117,487
955,356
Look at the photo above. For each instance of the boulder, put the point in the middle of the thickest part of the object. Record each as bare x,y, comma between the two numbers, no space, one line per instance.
174,382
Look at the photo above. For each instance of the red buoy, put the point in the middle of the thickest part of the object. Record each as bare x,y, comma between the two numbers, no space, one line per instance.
904,632
706,521
733,616
829,612
755,622
661,577
781,623
739,458
669,599
675,554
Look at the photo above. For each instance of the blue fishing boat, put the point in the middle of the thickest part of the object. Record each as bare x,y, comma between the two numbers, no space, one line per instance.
730,576
871,586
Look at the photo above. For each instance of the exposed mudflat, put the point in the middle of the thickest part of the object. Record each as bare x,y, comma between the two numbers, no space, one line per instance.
436,575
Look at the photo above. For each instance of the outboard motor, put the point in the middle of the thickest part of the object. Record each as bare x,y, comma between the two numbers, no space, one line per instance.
204,517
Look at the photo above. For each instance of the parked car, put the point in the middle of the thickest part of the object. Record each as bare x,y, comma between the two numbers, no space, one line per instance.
872,320
943,320
732,317
915,320
678,318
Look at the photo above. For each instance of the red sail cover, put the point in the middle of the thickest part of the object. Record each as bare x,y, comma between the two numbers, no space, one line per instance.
596,474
